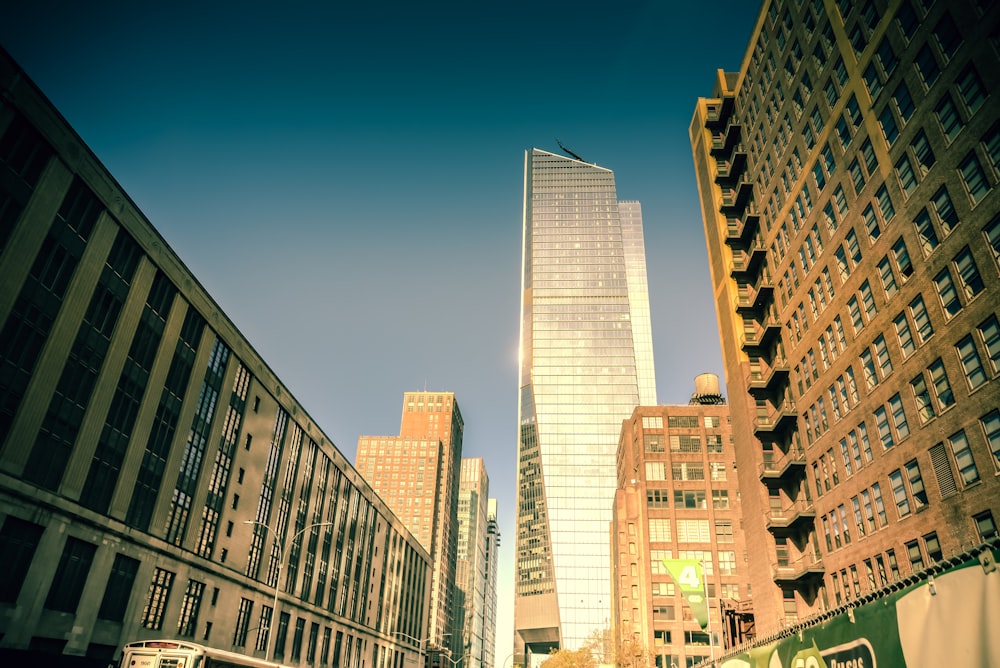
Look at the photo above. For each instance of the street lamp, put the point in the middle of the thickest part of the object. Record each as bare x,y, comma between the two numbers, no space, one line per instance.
281,563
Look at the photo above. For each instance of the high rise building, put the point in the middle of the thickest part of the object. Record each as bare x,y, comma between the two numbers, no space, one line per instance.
677,498
586,363
417,473
492,570
848,176
471,571
156,479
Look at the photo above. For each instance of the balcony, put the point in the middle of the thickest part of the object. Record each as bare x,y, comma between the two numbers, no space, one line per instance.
788,466
728,171
766,427
806,569
767,381
724,141
719,112
740,229
757,297
734,200
761,336
796,519
745,265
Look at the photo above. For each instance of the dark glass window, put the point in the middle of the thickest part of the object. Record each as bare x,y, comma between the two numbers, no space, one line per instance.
118,589
18,542
71,575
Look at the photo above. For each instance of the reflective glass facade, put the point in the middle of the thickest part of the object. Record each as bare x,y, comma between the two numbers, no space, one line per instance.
584,305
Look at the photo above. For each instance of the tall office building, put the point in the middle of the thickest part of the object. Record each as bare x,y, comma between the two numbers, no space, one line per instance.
677,498
471,571
156,479
848,176
492,570
417,473
586,363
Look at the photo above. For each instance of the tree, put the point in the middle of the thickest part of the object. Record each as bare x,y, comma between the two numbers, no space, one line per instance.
568,658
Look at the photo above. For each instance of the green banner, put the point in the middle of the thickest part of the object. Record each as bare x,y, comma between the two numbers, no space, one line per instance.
943,618
687,573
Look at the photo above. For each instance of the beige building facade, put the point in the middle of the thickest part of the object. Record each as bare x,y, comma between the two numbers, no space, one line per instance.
156,478
848,177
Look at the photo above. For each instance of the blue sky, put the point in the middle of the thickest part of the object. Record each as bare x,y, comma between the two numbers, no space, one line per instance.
346,180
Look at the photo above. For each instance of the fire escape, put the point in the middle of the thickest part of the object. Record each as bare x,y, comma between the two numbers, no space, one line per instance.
797,565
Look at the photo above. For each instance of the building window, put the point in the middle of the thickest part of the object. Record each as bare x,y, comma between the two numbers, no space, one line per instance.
942,387
243,622
727,562
991,431
879,505
656,471
902,257
723,531
986,526
963,457
71,575
903,335
916,483
18,542
281,637
974,177
921,320
968,273
119,588
925,232
922,398
156,599
659,530
188,621
992,234
300,626
933,547
948,117
972,365
915,556
989,335
690,498
947,293
263,627
657,498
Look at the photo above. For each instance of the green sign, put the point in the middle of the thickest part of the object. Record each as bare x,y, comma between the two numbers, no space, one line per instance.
687,573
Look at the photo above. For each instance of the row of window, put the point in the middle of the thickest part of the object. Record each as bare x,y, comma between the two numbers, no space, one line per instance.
684,471
906,484
931,390
659,499
883,568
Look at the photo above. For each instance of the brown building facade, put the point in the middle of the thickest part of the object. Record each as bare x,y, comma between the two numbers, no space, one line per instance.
848,176
678,497
418,473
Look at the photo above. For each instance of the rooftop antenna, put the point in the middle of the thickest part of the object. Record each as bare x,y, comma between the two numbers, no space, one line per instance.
566,150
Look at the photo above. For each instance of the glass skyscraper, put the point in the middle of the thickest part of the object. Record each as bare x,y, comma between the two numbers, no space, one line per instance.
586,362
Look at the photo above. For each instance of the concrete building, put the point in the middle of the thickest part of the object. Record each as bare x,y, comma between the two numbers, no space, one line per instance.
471,572
586,363
417,473
848,178
677,498
156,478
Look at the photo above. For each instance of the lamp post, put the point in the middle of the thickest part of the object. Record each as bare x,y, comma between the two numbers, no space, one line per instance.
281,563
414,639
